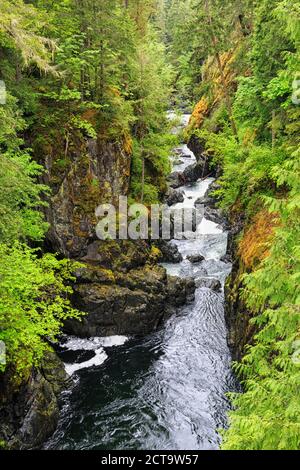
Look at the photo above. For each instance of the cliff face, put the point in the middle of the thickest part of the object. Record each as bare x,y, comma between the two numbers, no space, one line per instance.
120,288
249,246
29,411
95,172
238,316
82,173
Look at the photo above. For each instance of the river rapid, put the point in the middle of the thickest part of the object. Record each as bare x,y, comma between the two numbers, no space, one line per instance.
166,391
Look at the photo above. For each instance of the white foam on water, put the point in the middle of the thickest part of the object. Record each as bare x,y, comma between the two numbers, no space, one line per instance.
208,228
111,341
74,343
97,360
96,344
185,156
193,192
186,151
185,119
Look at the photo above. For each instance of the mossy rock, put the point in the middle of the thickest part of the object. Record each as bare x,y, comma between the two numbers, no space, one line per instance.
119,255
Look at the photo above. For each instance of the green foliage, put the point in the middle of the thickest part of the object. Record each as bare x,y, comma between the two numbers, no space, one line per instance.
20,198
110,77
247,169
20,26
155,149
267,414
84,126
261,171
33,303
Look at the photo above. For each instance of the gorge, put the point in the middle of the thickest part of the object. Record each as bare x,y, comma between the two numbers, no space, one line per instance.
149,342
167,391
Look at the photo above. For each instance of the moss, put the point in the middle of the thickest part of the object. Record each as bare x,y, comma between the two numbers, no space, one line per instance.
127,143
3,445
212,99
155,254
91,116
91,273
256,242
200,111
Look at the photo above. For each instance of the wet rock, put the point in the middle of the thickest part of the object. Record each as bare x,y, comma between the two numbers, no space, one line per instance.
213,284
193,173
174,197
209,199
180,291
194,259
216,216
123,290
197,146
226,259
29,413
135,304
177,233
205,200
176,180
170,252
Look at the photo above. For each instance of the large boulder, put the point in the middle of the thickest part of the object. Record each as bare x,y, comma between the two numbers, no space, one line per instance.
209,199
120,255
176,180
195,259
174,197
197,146
180,291
193,173
169,252
216,216
213,284
134,304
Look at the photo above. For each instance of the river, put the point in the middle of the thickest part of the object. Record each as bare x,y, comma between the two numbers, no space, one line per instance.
166,391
